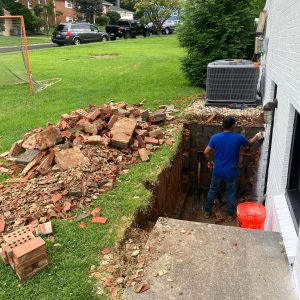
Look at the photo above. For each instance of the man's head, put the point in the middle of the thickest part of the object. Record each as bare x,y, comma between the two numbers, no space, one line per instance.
229,123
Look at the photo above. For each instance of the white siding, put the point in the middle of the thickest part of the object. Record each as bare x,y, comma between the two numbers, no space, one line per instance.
283,68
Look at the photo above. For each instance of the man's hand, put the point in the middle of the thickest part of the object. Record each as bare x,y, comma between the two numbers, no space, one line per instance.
210,164
260,136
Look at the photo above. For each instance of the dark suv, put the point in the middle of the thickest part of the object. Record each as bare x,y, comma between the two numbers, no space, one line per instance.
77,33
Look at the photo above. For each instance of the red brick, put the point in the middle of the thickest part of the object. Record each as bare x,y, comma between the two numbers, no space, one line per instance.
15,150
169,142
94,114
96,212
99,220
56,197
157,133
45,228
94,140
67,206
112,121
151,140
82,225
141,132
44,166
16,234
29,250
141,141
90,128
82,113
66,134
157,117
2,225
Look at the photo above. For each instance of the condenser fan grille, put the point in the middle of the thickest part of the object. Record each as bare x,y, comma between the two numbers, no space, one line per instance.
232,82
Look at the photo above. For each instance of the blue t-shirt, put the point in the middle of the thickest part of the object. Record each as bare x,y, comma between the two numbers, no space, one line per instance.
227,147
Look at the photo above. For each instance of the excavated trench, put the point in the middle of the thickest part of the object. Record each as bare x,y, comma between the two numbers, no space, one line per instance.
182,188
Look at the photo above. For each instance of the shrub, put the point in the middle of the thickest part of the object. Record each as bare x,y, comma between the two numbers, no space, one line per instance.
216,29
114,17
102,20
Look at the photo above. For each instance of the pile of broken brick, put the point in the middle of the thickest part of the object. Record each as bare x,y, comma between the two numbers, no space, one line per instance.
68,165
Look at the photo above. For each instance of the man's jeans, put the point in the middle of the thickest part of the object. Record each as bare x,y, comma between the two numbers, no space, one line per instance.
230,194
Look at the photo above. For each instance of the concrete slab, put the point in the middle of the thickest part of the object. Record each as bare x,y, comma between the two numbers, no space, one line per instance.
207,261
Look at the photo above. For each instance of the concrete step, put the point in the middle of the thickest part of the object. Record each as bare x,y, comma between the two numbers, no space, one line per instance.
207,261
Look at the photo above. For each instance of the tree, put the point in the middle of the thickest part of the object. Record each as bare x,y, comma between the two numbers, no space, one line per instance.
1,8
157,11
215,29
90,8
114,17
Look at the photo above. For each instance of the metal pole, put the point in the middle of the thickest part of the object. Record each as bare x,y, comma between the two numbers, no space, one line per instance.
26,55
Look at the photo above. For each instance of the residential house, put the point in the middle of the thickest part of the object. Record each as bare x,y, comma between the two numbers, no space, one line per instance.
8,24
65,7
124,13
282,88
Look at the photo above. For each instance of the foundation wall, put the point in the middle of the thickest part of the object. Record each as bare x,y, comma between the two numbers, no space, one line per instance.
166,192
196,137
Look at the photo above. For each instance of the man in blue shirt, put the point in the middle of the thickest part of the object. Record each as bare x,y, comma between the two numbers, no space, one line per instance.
226,146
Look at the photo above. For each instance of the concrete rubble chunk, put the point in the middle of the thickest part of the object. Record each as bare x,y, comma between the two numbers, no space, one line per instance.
143,153
43,140
70,158
122,132
157,117
26,157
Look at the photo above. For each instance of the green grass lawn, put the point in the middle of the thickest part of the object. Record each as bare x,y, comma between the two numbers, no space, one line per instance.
142,69
7,41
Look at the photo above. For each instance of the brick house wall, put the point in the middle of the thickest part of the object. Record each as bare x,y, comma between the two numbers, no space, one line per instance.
282,66
60,5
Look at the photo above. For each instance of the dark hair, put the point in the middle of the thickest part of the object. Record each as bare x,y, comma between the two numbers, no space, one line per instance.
228,122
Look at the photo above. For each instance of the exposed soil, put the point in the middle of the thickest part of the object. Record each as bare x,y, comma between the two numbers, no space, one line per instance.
104,55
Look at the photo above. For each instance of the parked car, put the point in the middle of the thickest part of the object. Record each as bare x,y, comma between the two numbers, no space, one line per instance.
127,29
77,33
168,28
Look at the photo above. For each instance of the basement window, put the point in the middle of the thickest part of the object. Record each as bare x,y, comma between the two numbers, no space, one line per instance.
293,187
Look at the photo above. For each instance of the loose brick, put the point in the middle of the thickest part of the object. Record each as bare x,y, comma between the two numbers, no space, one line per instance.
112,121
82,113
99,220
151,140
20,232
44,166
94,114
143,153
96,212
2,225
15,150
90,128
66,134
157,133
122,132
67,206
45,228
56,197
94,140
141,141
29,249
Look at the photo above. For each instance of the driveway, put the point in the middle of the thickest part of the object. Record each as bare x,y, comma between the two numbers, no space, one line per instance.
30,47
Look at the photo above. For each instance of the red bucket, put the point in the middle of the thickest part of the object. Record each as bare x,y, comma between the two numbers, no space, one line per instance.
251,215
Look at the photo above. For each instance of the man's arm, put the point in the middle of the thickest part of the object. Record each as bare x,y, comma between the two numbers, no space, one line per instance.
257,137
208,150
